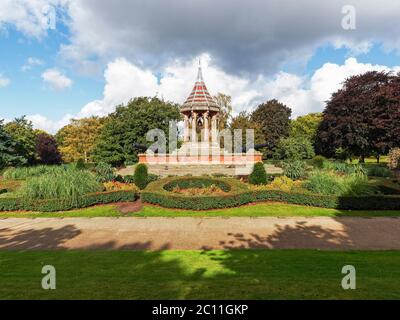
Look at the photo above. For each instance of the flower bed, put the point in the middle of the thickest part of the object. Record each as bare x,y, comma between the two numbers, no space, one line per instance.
239,194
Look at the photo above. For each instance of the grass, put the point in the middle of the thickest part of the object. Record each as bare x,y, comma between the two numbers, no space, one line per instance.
255,210
245,274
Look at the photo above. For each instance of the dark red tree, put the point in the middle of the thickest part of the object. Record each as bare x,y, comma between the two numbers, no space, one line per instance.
46,149
359,117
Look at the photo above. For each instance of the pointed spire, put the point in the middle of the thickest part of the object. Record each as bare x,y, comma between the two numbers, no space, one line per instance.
199,73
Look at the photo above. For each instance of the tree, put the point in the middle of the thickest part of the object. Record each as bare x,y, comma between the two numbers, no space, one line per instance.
243,121
78,139
306,126
359,118
294,148
9,150
46,149
225,103
21,130
273,118
129,124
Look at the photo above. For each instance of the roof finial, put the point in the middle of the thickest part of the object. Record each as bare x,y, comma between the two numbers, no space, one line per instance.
199,74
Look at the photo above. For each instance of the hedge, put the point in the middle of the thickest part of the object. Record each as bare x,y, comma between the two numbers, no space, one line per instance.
51,205
240,194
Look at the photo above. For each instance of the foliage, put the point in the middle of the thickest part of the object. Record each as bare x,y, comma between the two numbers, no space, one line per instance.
394,159
326,183
244,122
21,130
295,169
46,149
306,126
77,139
196,183
225,103
67,185
80,164
23,173
240,194
54,205
362,118
129,124
378,171
294,148
9,150
283,183
104,172
141,176
318,162
273,119
117,186
345,168
258,175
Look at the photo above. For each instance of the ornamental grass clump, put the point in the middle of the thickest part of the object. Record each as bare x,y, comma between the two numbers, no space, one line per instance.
67,185
23,173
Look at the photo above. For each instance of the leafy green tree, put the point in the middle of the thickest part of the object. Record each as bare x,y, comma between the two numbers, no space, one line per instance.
273,118
306,126
141,176
243,121
78,139
294,148
225,103
22,131
9,150
129,125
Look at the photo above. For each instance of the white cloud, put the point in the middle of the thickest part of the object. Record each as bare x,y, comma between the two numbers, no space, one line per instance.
303,95
4,82
56,80
29,17
30,63
41,122
124,81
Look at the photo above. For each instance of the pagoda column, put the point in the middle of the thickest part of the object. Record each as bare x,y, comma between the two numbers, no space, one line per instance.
194,127
186,129
214,131
206,127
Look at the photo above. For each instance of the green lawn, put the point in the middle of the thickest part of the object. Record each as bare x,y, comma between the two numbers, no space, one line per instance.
235,274
256,210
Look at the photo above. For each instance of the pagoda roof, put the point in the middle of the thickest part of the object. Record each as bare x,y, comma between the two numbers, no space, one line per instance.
200,99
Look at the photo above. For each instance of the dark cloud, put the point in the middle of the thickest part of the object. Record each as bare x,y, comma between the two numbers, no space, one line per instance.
242,36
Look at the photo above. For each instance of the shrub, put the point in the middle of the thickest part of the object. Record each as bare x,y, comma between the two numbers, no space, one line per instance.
294,148
318,162
240,194
129,179
196,183
104,172
378,171
283,183
68,185
152,177
141,176
118,186
294,169
53,205
345,168
80,164
258,175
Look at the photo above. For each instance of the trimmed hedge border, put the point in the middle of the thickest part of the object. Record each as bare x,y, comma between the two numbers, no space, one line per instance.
51,205
240,194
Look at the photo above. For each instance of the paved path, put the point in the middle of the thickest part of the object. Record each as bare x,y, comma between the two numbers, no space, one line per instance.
199,233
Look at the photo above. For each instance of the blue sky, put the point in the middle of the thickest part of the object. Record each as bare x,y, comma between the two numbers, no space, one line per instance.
99,55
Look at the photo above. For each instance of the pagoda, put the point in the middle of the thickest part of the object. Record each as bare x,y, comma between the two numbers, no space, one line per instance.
201,123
